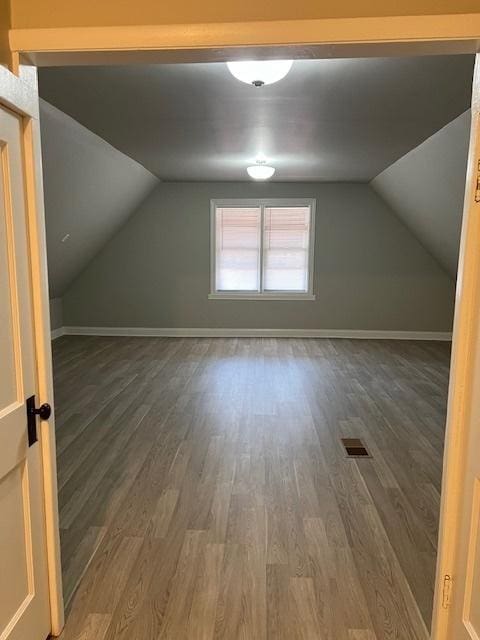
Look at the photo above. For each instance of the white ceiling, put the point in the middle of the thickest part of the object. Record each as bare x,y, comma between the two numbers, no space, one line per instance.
328,120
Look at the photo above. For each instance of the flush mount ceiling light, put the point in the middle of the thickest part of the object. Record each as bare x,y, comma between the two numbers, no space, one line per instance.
260,72
260,171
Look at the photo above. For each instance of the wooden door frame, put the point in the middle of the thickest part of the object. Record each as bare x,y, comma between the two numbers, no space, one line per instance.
324,38
461,392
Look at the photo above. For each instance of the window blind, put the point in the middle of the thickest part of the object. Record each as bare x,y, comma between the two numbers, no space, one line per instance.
286,248
238,248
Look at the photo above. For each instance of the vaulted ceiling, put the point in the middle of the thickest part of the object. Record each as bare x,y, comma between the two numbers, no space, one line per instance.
328,120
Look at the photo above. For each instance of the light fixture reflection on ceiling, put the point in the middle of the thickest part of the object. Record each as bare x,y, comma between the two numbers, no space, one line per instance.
260,72
260,170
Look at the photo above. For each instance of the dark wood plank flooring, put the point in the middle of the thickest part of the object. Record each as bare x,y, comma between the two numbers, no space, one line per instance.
205,494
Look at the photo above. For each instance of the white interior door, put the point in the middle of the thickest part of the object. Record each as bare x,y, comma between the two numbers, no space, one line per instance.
24,588
457,603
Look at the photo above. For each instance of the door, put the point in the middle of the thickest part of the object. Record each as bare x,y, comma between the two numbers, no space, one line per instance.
457,602
24,587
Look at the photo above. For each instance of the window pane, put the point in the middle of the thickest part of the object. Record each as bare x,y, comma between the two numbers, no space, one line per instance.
238,248
285,248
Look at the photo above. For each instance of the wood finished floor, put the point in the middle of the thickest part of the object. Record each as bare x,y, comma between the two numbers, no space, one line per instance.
204,492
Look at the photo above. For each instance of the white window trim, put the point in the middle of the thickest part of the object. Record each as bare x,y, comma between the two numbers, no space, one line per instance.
262,203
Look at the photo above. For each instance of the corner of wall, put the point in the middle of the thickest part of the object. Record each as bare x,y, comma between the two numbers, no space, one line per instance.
56,314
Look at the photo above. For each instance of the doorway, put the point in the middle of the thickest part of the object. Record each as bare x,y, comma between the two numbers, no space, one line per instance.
232,431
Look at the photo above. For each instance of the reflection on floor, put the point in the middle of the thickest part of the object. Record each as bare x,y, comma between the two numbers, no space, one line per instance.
205,493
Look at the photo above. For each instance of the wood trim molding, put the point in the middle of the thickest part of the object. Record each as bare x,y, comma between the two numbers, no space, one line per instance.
461,393
180,332
263,33
41,312
335,37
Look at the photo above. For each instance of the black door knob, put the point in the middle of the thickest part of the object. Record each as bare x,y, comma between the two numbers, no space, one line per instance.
44,411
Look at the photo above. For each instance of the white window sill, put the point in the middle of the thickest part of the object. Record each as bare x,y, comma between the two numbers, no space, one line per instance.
231,295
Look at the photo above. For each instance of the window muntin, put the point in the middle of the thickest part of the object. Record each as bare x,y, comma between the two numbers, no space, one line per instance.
262,248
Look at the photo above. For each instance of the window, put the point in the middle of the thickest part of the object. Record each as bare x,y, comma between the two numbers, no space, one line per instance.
262,249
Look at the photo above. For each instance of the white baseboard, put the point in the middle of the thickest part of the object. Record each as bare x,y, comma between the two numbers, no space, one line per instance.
57,333
253,333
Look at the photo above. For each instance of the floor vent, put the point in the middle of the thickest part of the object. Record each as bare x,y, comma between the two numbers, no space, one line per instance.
355,448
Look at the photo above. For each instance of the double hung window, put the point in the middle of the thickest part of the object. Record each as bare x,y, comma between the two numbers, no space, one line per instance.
262,248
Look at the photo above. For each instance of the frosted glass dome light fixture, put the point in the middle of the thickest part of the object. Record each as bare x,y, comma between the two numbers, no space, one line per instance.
259,72
260,170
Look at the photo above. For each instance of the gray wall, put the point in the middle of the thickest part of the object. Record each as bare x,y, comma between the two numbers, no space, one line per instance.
90,190
426,189
56,313
370,271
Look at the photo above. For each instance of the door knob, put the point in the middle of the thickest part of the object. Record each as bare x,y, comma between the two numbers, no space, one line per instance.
43,412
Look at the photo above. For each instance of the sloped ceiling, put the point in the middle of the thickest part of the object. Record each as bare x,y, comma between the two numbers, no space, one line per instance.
328,120
90,190
426,189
